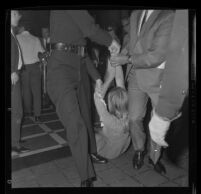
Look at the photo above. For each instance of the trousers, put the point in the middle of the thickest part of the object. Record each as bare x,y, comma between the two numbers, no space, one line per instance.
85,103
31,88
16,113
137,99
62,86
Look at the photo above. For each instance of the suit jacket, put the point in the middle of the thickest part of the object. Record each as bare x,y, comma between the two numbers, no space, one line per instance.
175,79
148,49
14,55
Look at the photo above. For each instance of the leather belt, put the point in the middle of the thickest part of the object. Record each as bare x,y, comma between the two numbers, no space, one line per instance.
77,49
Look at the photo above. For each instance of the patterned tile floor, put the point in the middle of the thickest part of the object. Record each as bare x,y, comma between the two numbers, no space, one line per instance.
49,163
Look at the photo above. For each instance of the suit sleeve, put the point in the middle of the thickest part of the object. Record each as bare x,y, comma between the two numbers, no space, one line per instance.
14,56
157,53
88,27
92,71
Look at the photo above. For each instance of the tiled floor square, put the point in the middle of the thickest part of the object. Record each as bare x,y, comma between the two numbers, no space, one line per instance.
111,175
23,174
27,121
121,160
55,125
45,168
49,117
66,162
151,178
168,184
31,130
40,142
102,167
70,173
62,134
25,184
126,182
182,181
51,180
129,170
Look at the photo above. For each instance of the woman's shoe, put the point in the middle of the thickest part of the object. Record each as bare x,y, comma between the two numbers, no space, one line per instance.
158,167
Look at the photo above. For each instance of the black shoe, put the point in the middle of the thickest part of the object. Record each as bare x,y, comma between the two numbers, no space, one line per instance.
98,159
21,149
158,167
138,159
87,183
37,119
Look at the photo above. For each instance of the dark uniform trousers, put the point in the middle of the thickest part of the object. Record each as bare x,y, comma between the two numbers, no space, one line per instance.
85,103
16,113
63,79
31,88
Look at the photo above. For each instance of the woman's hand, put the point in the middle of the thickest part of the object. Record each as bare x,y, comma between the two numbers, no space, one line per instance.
119,59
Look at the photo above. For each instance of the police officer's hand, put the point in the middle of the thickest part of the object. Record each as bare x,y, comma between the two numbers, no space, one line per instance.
114,48
14,78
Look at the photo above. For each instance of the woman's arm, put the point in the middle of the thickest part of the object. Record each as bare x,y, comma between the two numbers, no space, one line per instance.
109,76
119,77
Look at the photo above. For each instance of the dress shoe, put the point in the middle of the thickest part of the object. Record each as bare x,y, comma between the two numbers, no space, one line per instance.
158,167
98,159
138,159
37,119
21,149
87,183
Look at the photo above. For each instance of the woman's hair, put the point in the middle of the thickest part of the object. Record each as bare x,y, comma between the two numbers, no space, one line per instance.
118,105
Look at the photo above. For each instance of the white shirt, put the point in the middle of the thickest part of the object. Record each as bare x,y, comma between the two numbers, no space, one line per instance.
142,16
20,54
30,46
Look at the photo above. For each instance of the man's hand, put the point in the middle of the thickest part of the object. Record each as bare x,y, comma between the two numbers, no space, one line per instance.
120,59
98,86
14,78
114,48
158,128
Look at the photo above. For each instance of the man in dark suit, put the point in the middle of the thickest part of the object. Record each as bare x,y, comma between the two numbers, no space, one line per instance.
174,87
149,37
16,97
68,29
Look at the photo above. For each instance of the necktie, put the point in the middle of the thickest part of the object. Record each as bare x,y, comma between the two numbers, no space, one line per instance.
143,20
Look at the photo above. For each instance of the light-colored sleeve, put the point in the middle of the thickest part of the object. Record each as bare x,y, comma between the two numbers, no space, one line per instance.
39,46
110,122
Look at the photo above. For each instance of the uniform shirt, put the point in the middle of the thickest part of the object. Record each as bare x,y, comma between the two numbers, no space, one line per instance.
30,46
19,50
72,26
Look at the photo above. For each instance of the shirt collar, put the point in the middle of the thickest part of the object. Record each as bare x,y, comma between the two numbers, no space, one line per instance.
150,11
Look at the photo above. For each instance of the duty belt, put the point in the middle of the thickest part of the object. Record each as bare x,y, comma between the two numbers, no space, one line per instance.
79,50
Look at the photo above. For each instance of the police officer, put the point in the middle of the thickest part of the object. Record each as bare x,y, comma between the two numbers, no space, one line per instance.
68,28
